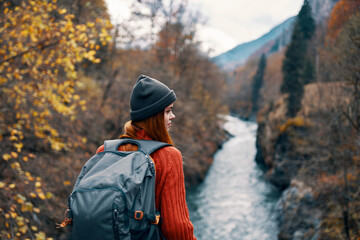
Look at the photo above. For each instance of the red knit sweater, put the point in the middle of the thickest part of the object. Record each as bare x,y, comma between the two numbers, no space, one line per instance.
169,192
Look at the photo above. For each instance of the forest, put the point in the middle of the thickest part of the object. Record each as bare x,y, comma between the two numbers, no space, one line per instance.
307,96
66,74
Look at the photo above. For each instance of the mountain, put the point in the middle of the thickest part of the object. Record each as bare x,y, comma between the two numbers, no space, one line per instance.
273,41
239,54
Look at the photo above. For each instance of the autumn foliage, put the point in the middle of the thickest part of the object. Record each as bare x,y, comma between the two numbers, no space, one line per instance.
40,48
340,14
65,85
320,145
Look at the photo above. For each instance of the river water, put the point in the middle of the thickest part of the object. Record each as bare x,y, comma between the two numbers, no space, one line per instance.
234,201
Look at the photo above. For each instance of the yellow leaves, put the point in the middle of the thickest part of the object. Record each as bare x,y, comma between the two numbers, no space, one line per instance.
13,214
39,87
49,195
25,33
67,183
28,175
14,154
97,60
23,229
56,145
41,195
294,122
20,198
32,195
36,210
18,146
40,236
3,80
6,156
16,166
90,55
62,11
33,22
13,138
90,24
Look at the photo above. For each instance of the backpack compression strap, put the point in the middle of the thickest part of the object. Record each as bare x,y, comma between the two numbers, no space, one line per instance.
146,146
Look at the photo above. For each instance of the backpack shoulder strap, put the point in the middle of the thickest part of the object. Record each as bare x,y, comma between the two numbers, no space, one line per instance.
146,146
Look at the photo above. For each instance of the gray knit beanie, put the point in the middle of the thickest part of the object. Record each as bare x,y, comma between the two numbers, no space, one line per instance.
149,97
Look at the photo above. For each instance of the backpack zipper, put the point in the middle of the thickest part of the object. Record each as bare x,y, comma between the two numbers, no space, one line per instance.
116,223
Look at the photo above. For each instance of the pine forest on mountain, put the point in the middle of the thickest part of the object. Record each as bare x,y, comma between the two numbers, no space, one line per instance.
66,74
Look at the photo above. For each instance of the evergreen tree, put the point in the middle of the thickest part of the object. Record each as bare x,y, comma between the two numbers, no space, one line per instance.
295,67
309,72
305,21
257,83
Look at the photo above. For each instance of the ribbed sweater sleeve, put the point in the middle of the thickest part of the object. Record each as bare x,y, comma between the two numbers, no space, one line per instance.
170,193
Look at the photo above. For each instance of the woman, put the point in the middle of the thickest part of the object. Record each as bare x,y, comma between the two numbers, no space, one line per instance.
151,104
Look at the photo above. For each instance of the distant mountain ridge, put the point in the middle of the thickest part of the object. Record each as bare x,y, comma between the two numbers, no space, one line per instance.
273,41
238,55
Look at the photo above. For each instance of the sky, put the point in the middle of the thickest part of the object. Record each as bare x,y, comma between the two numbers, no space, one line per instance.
228,22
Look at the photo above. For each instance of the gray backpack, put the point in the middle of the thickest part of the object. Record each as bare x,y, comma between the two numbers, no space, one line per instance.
114,195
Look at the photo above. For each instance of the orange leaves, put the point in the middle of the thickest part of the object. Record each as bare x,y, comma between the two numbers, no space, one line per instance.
341,12
330,179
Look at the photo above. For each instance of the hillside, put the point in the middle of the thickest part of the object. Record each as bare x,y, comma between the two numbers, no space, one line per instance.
312,154
302,156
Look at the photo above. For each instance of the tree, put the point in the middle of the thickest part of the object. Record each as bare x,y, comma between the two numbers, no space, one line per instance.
344,50
294,63
340,15
346,67
258,82
40,49
309,72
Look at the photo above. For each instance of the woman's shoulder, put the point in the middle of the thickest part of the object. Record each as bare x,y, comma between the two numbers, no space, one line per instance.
168,155
170,151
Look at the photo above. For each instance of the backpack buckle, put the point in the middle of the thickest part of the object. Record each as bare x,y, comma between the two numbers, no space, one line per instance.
138,215
67,220
157,220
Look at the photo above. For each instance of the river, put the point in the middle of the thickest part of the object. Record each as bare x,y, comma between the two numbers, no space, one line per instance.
234,201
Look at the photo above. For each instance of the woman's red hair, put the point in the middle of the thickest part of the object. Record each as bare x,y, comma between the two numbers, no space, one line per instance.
154,126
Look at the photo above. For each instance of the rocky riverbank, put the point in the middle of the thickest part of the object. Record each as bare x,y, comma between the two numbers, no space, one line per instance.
299,157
